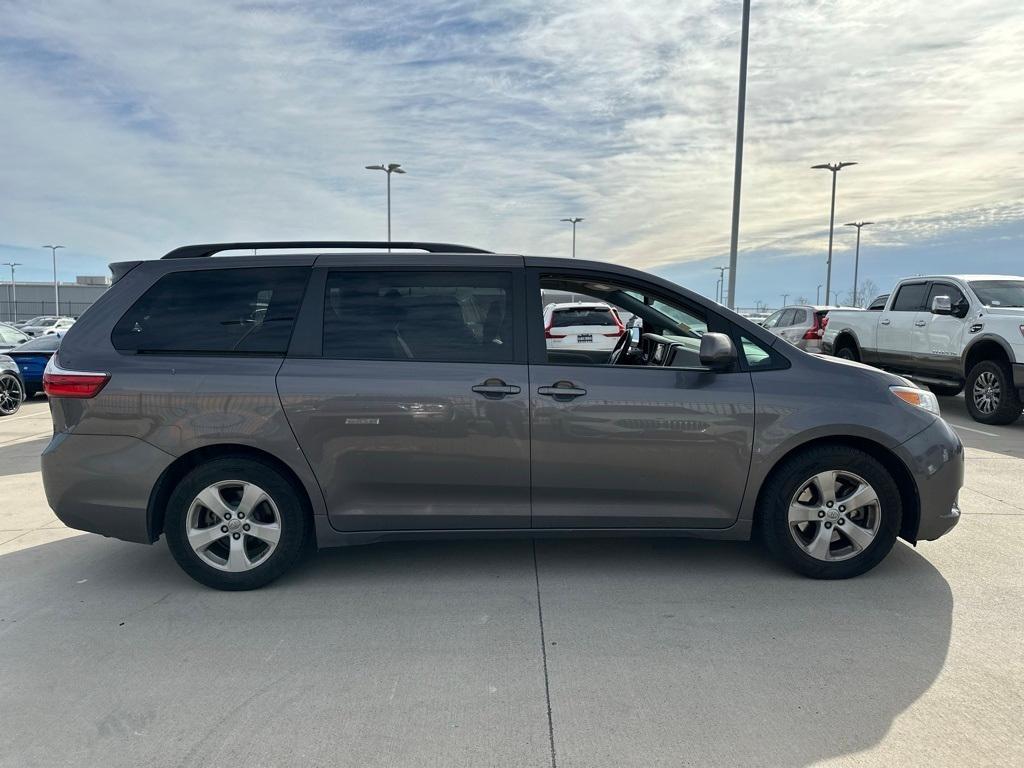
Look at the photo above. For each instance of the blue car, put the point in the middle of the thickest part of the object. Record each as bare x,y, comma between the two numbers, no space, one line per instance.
32,357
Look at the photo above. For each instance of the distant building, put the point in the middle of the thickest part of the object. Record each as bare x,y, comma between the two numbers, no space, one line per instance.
35,299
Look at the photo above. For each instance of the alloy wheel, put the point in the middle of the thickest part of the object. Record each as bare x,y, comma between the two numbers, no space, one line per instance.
986,392
11,394
233,525
834,515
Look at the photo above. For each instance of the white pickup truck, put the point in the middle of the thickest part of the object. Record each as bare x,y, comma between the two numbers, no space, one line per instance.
948,332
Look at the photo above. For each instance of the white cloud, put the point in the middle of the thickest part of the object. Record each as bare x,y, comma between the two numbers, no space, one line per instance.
132,128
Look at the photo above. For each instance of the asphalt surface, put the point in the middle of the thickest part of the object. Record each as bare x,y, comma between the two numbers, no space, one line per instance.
655,652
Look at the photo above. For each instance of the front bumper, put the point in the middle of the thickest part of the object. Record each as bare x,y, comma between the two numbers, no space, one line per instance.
102,483
935,458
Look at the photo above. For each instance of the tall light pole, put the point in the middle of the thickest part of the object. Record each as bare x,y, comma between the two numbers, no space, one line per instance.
856,256
785,298
817,298
12,295
388,169
56,290
720,295
834,168
574,221
741,108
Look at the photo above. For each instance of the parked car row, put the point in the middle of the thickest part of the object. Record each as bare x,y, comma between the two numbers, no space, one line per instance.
44,325
22,362
946,332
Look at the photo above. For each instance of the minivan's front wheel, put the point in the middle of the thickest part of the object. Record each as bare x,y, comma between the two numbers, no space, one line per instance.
235,523
830,512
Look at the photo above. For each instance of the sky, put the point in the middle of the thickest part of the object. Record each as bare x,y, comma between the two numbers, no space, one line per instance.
130,128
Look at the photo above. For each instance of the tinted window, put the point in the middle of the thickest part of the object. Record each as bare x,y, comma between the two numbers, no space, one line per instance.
772,320
564,318
755,354
436,316
910,298
787,318
42,344
800,317
879,303
215,311
944,289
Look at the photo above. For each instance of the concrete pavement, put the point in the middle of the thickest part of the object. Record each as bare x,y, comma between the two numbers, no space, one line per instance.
656,652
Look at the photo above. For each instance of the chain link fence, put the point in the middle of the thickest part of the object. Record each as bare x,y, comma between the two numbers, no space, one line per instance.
11,312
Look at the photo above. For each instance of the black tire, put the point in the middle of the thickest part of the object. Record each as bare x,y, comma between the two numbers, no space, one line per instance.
1008,404
295,525
787,479
848,352
12,394
946,390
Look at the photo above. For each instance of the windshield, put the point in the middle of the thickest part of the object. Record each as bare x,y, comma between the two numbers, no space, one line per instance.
999,293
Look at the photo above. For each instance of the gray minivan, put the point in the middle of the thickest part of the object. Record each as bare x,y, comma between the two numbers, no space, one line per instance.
248,406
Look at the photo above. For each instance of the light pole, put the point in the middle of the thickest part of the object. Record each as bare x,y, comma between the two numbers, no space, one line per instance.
574,221
835,295
388,169
12,295
785,298
834,168
856,256
56,290
817,297
741,107
720,293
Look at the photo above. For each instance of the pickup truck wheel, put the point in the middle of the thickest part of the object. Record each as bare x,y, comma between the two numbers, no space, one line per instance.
991,396
847,352
946,390
830,512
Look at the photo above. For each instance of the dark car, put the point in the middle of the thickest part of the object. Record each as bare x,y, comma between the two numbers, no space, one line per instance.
32,357
244,406
12,388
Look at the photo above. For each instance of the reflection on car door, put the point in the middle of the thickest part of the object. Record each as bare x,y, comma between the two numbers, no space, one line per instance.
414,415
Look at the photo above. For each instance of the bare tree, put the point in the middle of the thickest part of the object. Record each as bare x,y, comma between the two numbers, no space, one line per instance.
866,292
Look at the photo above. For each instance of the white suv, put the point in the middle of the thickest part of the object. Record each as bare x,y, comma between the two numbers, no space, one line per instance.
588,325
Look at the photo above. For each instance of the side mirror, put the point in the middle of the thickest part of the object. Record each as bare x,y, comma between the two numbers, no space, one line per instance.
942,305
717,351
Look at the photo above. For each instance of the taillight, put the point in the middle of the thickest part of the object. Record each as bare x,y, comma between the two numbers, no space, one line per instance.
818,329
58,382
621,327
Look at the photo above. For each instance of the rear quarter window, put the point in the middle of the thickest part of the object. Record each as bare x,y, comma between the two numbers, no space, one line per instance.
215,311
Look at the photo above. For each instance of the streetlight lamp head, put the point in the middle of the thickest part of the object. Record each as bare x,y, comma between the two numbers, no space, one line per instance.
376,168
822,166
395,168
843,165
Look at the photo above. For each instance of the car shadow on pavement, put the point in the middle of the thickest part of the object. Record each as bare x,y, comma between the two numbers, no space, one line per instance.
22,458
659,651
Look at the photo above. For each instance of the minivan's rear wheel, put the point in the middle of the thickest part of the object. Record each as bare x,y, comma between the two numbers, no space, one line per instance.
831,512
991,396
11,394
235,523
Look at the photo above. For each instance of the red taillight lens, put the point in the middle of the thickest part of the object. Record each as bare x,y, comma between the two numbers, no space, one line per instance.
58,382
818,329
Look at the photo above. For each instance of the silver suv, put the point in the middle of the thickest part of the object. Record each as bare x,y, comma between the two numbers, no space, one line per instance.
245,407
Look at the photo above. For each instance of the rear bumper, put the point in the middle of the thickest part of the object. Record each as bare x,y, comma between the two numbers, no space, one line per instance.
935,458
102,483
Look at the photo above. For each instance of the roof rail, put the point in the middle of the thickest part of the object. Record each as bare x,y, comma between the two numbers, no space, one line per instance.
208,249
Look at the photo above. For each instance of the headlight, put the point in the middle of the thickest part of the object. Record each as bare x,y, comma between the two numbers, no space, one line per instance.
919,398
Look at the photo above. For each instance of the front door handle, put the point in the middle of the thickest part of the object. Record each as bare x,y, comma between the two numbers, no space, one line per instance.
884,322
920,323
495,389
562,390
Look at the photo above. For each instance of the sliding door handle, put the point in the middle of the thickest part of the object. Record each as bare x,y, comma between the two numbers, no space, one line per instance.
496,389
562,390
